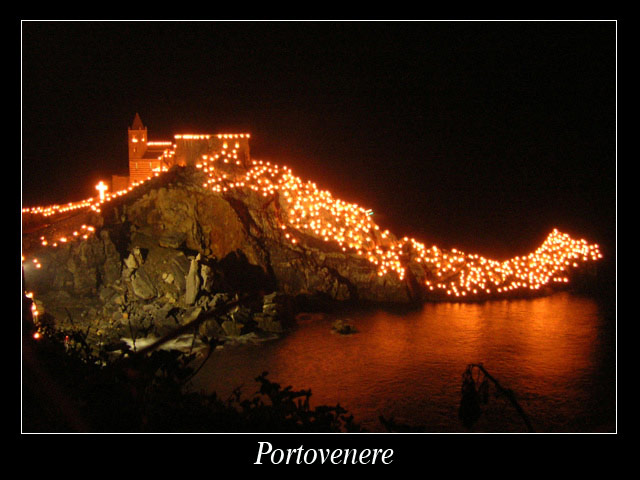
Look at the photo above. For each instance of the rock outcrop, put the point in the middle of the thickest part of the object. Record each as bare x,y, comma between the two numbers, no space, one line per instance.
171,249
192,237
240,232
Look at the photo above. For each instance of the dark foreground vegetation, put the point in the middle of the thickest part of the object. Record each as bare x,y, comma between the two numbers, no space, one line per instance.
67,387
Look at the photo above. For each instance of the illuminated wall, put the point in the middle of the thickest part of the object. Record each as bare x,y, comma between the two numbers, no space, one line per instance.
140,170
119,182
190,148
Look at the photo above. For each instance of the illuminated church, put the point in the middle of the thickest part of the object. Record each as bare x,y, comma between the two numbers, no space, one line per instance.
147,157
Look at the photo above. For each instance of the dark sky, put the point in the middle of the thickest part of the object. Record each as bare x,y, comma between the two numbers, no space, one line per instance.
476,135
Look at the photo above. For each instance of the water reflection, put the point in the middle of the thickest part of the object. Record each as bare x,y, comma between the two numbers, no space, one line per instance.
556,353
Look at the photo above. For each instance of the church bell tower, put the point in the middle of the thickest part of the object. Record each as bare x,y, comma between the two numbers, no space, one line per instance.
137,139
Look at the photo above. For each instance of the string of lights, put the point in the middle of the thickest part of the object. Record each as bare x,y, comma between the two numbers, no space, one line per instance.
306,209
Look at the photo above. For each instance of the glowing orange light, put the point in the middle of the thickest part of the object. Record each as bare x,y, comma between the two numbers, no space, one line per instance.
315,212
101,187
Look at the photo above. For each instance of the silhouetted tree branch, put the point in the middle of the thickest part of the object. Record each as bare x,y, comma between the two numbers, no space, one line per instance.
476,392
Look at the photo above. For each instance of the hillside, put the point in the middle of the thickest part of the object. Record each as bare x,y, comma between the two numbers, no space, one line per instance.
184,240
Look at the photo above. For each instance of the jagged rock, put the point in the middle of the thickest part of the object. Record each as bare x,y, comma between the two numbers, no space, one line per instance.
191,315
270,298
211,328
168,277
192,282
179,267
270,309
172,239
250,337
203,302
137,254
107,294
131,262
343,328
164,311
220,298
142,285
268,323
207,277
240,314
275,308
232,328
111,267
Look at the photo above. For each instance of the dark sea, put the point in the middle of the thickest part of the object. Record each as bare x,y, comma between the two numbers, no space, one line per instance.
556,353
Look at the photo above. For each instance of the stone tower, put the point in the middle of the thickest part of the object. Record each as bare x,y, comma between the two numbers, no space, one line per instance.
142,159
137,139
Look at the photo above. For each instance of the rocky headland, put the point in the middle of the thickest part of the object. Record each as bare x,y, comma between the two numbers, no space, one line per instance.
171,250
190,240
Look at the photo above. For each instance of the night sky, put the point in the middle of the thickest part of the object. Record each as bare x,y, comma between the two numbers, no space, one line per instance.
476,135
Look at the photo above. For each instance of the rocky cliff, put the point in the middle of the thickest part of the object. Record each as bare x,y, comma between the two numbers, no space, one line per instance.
194,236
171,249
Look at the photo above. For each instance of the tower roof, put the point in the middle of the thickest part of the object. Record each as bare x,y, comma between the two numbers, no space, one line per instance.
137,123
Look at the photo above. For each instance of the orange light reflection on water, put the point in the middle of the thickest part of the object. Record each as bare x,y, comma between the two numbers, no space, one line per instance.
409,366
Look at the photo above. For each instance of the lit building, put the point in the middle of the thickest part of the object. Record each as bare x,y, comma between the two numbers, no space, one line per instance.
147,157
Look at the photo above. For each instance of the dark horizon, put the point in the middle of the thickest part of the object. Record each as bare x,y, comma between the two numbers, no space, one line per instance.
477,135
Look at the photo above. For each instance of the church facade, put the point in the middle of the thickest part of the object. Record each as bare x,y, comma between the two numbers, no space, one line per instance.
148,157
